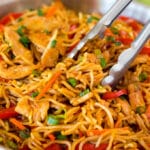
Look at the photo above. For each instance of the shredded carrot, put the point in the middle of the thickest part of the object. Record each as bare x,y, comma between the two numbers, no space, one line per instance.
53,8
49,84
118,123
99,132
96,132
148,112
51,137
108,32
17,123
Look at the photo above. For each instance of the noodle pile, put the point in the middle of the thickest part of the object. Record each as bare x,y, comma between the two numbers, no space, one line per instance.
51,102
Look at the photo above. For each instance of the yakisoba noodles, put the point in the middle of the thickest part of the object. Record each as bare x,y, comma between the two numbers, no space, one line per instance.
51,102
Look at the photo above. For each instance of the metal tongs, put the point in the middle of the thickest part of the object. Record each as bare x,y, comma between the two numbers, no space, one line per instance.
127,56
101,26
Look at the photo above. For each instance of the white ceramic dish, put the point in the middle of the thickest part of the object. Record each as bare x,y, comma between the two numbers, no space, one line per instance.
134,10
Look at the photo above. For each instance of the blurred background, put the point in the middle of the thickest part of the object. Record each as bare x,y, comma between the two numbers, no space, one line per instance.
138,9
145,2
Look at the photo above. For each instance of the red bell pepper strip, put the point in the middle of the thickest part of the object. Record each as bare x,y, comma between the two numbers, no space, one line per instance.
8,113
145,50
72,27
1,27
71,48
126,41
6,19
131,22
110,95
54,146
89,146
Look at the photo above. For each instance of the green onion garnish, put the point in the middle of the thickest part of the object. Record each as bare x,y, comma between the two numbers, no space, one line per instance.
118,43
114,30
98,53
72,82
103,62
20,30
140,110
143,76
61,137
86,91
12,144
40,12
20,19
91,18
34,94
110,39
25,41
53,43
24,134
36,73
52,120
1,139
46,31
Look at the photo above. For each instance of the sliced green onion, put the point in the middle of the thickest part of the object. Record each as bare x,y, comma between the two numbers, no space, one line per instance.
143,76
46,31
20,30
110,39
1,139
72,82
24,134
101,89
53,43
12,144
52,120
123,97
103,62
91,18
34,94
98,53
86,91
36,73
25,41
61,137
20,19
114,30
118,43
40,12
140,110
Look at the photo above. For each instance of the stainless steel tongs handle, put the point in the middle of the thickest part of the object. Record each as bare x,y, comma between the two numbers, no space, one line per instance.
127,57
100,27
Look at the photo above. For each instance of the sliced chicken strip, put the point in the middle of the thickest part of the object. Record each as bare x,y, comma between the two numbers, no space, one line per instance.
17,48
50,55
16,71
40,40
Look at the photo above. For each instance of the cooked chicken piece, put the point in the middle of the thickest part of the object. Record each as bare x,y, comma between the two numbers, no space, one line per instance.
135,96
16,71
40,40
34,111
126,108
17,48
38,23
50,55
23,107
